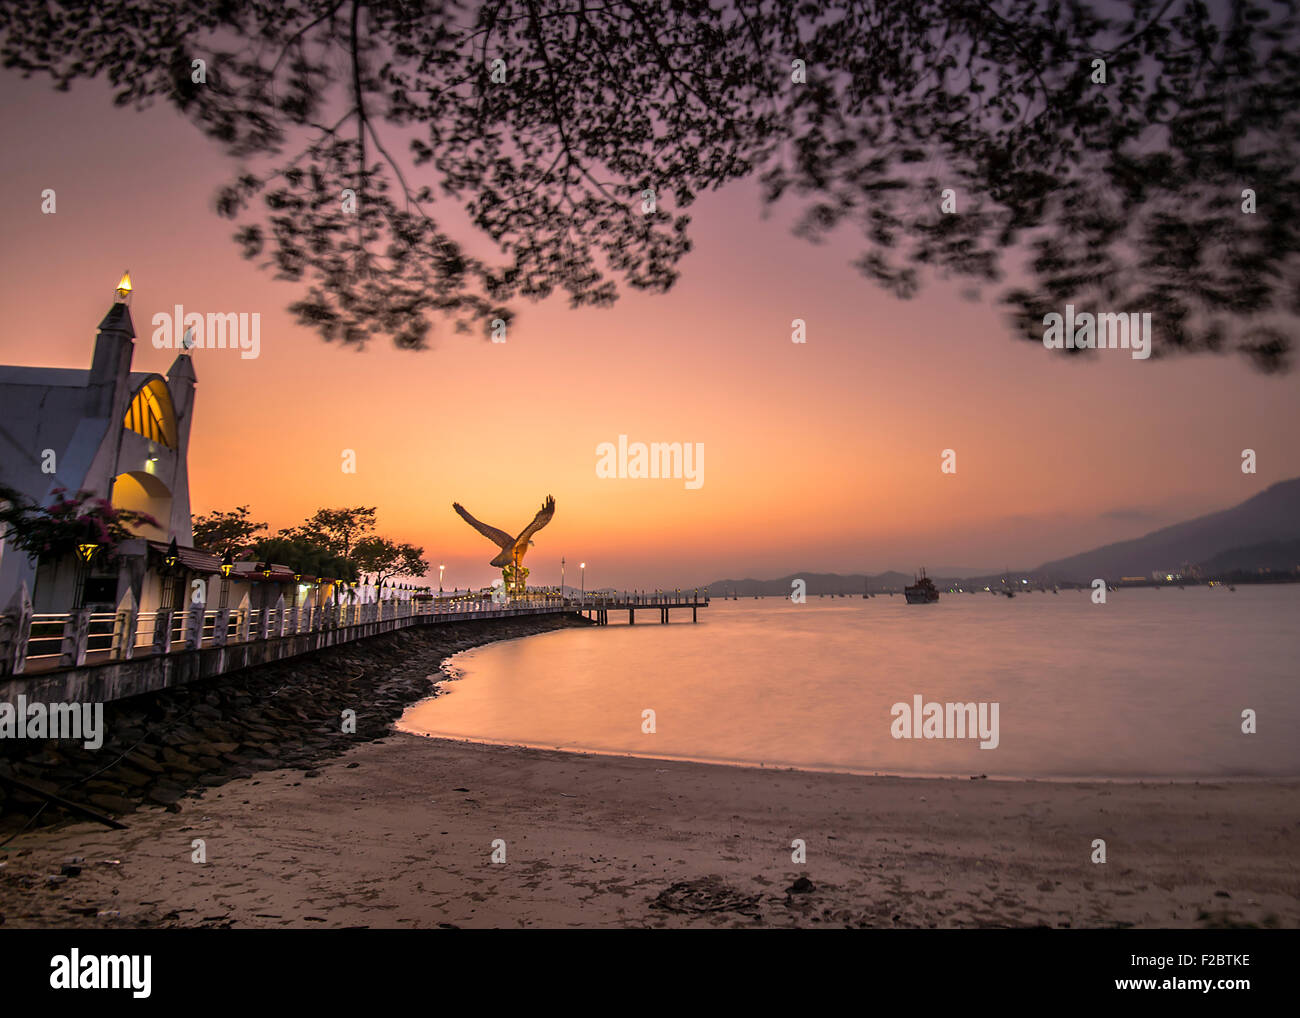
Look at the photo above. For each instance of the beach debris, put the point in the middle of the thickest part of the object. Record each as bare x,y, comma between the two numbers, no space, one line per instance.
978,777
568,796
801,886
705,895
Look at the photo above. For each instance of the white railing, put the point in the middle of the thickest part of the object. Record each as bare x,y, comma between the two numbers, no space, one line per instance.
37,641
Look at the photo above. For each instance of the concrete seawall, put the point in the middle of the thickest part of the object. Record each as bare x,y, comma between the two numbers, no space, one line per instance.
161,747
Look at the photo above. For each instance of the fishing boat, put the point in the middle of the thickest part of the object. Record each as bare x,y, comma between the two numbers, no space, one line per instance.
921,592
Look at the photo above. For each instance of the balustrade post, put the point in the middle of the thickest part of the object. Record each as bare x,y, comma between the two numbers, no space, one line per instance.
15,629
194,625
221,628
125,622
243,629
76,631
162,632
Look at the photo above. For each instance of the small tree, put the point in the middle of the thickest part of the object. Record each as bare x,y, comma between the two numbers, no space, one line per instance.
387,559
226,532
304,556
335,529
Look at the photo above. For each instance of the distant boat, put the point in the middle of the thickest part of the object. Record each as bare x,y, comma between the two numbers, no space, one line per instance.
1054,589
1009,593
921,592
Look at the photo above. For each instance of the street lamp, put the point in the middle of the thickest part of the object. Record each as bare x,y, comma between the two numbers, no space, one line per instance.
227,564
583,567
440,569
86,552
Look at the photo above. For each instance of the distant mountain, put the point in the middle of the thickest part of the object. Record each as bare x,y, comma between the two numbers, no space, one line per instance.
1261,533
1270,556
1272,515
817,583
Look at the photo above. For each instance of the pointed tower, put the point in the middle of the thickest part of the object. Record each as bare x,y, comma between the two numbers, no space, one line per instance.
180,382
110,368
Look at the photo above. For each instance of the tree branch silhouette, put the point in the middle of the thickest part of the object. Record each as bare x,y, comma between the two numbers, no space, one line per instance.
1124,195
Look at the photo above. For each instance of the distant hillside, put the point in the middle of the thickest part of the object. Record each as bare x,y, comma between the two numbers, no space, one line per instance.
818,583
1271,556
1271,516
1261,533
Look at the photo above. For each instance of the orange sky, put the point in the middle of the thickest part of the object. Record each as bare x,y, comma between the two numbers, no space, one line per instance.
822,456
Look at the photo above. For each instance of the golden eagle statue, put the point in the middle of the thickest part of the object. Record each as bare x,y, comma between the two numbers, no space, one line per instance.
511,559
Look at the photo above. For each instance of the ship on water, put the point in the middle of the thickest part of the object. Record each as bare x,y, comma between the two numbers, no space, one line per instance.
921,592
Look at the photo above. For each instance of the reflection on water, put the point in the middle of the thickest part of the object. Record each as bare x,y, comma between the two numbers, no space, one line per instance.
1152,684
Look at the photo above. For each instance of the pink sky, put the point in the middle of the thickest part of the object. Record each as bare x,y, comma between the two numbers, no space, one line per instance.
823,456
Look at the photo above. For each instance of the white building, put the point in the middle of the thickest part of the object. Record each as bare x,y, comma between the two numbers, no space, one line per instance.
123,435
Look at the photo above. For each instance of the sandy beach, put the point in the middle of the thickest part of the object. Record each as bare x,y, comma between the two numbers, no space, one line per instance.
399,832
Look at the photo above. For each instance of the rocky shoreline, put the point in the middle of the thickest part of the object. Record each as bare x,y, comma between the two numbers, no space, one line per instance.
166,746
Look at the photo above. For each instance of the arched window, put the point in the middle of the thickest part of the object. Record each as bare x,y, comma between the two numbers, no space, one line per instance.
150,414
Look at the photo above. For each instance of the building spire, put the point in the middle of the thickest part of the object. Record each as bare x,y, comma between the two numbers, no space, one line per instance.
118,319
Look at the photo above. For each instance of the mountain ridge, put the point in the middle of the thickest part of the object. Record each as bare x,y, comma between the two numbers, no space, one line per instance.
1260,533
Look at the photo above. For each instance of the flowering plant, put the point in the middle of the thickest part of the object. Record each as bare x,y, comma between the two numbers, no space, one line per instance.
57,529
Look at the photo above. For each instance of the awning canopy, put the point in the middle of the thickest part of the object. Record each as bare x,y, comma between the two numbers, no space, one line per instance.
191,558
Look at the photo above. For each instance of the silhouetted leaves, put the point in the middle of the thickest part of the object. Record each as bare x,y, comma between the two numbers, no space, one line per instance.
471,193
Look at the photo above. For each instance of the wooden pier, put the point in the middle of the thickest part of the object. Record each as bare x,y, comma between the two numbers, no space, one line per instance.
597,607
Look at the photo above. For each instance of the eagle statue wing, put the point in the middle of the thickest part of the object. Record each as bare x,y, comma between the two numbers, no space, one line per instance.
498,537
542,518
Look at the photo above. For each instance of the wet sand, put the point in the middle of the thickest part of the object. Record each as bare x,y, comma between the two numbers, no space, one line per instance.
399,833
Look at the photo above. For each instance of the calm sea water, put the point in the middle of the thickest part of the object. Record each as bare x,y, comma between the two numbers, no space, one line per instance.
1152,684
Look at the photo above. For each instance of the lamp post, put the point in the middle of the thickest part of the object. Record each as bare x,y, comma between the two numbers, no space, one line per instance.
440,569
561,578
227,564
583,567
86,552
